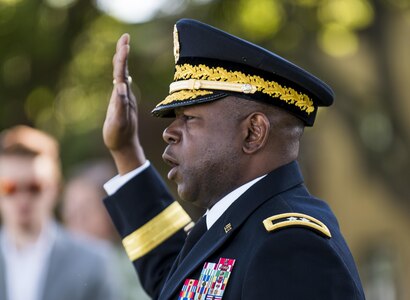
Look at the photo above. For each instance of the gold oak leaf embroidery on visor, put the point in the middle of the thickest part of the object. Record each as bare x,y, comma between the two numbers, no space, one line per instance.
183,95
219,74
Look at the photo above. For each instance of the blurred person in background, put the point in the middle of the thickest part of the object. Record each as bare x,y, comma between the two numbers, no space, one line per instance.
81,213
39,260
84,214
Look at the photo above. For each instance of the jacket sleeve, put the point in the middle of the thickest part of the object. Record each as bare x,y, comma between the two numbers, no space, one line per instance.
150,224
298,264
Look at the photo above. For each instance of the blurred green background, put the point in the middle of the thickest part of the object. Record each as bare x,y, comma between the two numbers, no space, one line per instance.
55,74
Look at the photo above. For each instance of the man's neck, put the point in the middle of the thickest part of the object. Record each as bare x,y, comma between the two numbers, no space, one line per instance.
214,213
23,236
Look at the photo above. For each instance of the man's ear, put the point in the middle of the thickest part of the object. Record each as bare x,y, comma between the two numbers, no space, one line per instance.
257,132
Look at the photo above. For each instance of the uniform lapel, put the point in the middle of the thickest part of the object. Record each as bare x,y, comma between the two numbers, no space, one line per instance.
208,244
274,183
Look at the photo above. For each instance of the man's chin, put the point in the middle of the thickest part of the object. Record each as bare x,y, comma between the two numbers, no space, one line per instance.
184,195
24,224
189,198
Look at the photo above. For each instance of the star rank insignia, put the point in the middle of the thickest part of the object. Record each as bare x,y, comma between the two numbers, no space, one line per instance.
212,281
295,219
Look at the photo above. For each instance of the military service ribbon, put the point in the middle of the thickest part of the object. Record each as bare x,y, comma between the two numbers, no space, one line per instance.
212,281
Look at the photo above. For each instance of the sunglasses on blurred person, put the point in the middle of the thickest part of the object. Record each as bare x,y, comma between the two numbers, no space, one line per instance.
10,187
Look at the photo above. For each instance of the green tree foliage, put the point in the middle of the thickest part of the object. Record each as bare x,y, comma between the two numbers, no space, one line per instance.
55,66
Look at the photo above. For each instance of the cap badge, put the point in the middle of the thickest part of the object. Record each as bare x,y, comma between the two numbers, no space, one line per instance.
176,44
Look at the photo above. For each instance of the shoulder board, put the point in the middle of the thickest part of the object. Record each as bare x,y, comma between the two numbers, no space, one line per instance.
295,219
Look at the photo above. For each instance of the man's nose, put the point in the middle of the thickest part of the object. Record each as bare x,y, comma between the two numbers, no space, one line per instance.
171,134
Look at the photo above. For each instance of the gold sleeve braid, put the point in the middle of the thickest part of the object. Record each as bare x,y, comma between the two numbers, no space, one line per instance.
156,231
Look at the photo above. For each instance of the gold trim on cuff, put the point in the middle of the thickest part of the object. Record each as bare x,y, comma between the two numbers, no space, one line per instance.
156,231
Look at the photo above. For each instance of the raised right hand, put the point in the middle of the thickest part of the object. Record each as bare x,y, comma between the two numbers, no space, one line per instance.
120,131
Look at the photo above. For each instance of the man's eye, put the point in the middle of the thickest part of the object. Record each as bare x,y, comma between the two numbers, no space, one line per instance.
187,118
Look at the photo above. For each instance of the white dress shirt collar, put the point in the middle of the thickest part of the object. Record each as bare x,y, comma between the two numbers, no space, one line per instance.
213,214
115,183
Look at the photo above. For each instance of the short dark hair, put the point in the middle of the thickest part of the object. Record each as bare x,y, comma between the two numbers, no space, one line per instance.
22,140
25,140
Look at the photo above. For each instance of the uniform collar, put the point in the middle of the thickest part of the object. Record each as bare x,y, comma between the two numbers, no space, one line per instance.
213,214
276,182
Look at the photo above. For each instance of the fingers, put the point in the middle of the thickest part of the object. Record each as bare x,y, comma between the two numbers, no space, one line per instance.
124,39
122,97
122,102
120,125
120,68
118,116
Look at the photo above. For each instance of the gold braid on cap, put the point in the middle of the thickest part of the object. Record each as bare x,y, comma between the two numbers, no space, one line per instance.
183,95
221,76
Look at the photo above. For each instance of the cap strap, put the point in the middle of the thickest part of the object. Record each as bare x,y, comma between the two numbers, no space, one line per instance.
195,84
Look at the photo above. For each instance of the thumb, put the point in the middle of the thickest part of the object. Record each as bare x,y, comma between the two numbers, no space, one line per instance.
122,89
120,100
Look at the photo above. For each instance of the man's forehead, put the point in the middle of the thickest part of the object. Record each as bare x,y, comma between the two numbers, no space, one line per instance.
12,158
220,106
17,165
193,108
24,166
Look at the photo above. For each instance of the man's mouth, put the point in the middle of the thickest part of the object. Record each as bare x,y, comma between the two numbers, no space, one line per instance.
172,162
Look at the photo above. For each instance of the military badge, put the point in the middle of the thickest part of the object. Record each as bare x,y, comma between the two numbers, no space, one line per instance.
212,281
176,44
295,219
188,289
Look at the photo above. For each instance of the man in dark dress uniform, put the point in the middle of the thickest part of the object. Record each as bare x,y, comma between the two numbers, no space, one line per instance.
238,114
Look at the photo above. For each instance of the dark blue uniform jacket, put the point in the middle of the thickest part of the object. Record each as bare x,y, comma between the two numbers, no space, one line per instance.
290,263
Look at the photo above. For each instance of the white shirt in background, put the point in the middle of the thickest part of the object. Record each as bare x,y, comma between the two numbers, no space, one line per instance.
26,268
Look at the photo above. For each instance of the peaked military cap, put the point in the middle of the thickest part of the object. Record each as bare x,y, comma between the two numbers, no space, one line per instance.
211,64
